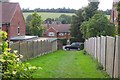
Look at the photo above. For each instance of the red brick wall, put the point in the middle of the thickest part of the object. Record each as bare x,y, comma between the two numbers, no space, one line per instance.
56,34
50,30
17,19
64,35
114,16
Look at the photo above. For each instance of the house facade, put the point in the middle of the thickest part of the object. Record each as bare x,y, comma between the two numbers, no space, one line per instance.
58,31
12,19
114,14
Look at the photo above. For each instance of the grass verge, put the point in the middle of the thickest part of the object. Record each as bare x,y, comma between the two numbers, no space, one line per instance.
67,64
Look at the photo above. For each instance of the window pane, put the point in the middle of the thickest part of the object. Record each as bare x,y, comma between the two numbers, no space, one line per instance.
51,34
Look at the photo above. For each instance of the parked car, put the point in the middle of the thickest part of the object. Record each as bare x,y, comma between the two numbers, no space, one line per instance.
75,45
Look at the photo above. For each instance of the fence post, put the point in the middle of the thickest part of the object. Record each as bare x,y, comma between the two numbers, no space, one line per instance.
27,51
117,58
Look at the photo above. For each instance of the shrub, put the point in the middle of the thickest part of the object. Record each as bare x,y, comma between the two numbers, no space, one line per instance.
63,41
76,40
11,66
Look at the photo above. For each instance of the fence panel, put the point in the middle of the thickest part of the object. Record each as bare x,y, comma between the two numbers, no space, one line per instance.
117,59
30,49
93,47
103,48
35,48
110,55
40,47
43,47
15,46
98,49
54,46
107,52
95,42
23,50
118,47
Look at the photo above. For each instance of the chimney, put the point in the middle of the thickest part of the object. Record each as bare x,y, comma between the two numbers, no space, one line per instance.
4,0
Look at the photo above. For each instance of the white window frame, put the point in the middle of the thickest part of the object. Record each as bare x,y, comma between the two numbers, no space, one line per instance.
18,29
61,34
51,34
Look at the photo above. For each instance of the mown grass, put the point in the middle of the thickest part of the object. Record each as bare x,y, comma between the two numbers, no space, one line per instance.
46,15
67,64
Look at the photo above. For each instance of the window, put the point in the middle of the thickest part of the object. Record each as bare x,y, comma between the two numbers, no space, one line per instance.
51,34
18,29
61,34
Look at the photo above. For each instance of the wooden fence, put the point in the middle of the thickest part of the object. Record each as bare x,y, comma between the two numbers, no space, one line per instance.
107,51
31,49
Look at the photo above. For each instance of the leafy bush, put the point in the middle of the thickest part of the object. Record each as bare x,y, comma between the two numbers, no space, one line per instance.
11,66
63,41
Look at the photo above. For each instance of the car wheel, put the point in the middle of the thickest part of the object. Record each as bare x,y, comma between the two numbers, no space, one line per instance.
67,49
78,49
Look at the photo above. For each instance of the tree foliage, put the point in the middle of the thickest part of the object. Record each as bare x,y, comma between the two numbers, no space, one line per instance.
75,24
80,16
35,25
65,19
96,26
28,19
58,10
49,21
90,10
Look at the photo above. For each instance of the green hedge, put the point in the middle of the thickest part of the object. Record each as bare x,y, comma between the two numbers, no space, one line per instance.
64,42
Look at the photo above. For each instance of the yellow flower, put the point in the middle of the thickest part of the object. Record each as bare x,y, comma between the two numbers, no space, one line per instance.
14,72
8,49
15,51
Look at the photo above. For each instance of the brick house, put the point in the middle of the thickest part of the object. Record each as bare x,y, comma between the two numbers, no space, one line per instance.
58,31
114,14
12,19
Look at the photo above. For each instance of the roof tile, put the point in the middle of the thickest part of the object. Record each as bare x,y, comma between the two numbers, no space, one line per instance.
8,10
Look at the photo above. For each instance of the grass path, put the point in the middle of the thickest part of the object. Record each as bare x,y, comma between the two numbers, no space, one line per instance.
66,64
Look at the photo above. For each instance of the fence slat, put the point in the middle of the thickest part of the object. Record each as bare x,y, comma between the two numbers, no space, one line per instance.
117,58
103,48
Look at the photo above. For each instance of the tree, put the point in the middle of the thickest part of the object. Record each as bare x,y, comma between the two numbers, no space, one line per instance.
96,26
28,19
49,20
75,24
82,15
90,10
35,25
65,19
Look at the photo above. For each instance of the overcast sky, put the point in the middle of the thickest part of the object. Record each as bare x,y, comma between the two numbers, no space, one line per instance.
75,4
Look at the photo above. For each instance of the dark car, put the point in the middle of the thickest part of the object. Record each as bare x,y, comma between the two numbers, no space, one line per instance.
75,45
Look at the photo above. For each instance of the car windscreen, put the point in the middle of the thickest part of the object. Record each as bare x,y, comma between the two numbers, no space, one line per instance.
75,44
